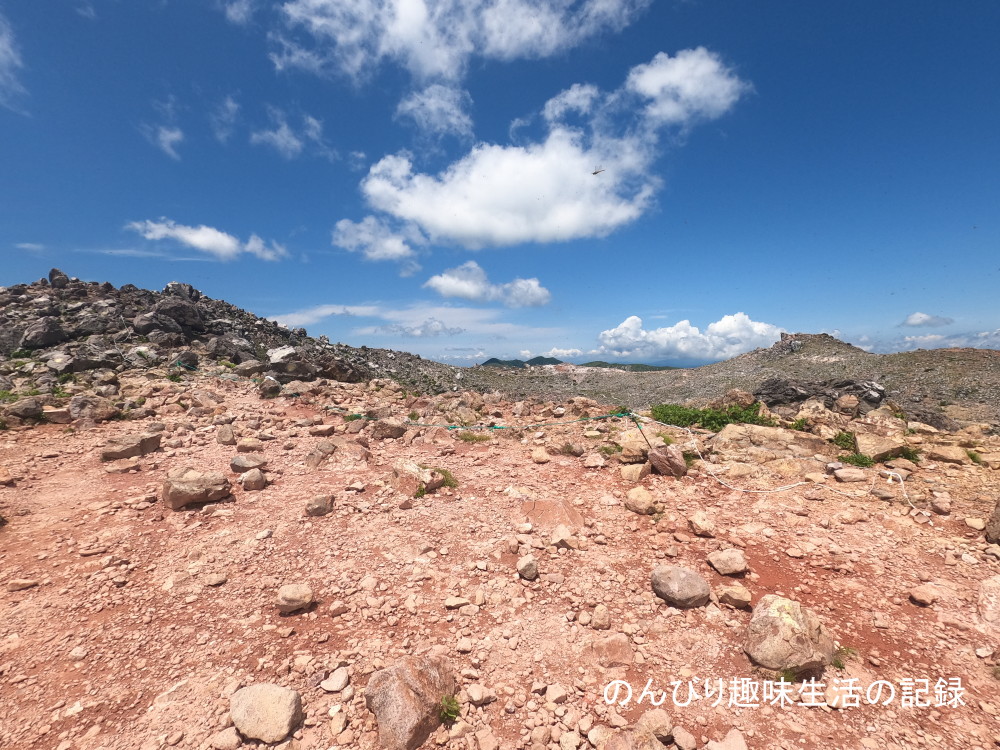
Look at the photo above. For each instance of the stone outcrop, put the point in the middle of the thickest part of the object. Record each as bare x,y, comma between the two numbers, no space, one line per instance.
185,485
784,635
406,699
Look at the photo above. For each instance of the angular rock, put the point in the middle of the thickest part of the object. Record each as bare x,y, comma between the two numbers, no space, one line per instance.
406,700
784,635
412,480
225,435
127,446
680,587
635,472
43,332
540,456
26,408
849,474
702,524
657,721
948,454
668,460
247,461
320,505
185,485
751,443
527,568
993,525
728,562
388,428
988,603
733,741
58,279
735,596
95,408
924,595
265,712
877,447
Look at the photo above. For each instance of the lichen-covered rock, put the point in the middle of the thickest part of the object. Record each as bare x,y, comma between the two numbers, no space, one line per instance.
784,635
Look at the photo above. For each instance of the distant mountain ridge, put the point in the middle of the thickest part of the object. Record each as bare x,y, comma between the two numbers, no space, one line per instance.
520,364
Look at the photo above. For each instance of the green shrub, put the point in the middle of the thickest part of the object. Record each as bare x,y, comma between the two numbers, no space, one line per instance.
844,440
450,710
975,457
66,377
174,377
689,458
352,417
802,425
610,450
841,655
910,454
20,354
709,419
7,396
413,416
857,459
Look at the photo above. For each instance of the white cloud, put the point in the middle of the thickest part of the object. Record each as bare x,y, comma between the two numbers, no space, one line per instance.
435,39
165,137
217,243
577,98
223,119
727,337
429,327
469,281
374,239
919,319
321,312
290,142
693,85
439,110
544,191
10,63
86,10
31,247
240,12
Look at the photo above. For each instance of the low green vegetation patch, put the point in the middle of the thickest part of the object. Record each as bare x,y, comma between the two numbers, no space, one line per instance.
7,397
352,417
710,419
975,457
450,710
802,425
467,436
857,459
844,440
841,656
910,454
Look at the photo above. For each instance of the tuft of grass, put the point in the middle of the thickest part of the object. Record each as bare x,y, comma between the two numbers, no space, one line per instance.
7,396
450,710
857,459
174,377
449,478
473,437
413,416
709,419
227,363
60,392
66,377
352,417
786,675
799,424
689,458
844,440
609,450
3,424
20,354
910,454
665,437
975,457
841,655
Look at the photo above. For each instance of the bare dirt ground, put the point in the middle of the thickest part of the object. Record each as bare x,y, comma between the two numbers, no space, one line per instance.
140,621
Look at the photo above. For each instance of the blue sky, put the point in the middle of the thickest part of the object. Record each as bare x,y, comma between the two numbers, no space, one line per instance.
417,174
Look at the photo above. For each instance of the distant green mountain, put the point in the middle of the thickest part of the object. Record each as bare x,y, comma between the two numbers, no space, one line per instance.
629,368
520,363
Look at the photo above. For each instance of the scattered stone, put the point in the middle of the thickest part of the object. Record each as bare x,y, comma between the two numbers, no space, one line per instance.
635,472
701,524
924,595
253,480
225,435
293,597
680,587
406,700
413,480
601,619
728,562
733,741
265,712
337,681
668,460
184,486
540,455
247,461
735,596
527,568
320,505
784,635
21,584
640,500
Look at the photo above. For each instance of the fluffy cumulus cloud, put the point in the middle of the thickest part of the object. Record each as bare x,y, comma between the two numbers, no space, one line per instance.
439,110
435,39
166,138
923,320
544,191
374,239
239,12
11,89
469,281
214,242
429,327
725,338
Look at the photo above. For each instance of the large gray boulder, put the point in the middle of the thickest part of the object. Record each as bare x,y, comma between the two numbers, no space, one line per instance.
26,408
43,332
184,312
265,712
185,485
680,587
784,635
406,699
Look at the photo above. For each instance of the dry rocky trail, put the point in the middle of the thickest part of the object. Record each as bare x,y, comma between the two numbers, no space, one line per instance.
244,537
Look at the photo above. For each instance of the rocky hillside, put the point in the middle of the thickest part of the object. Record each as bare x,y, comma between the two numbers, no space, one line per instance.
63,335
